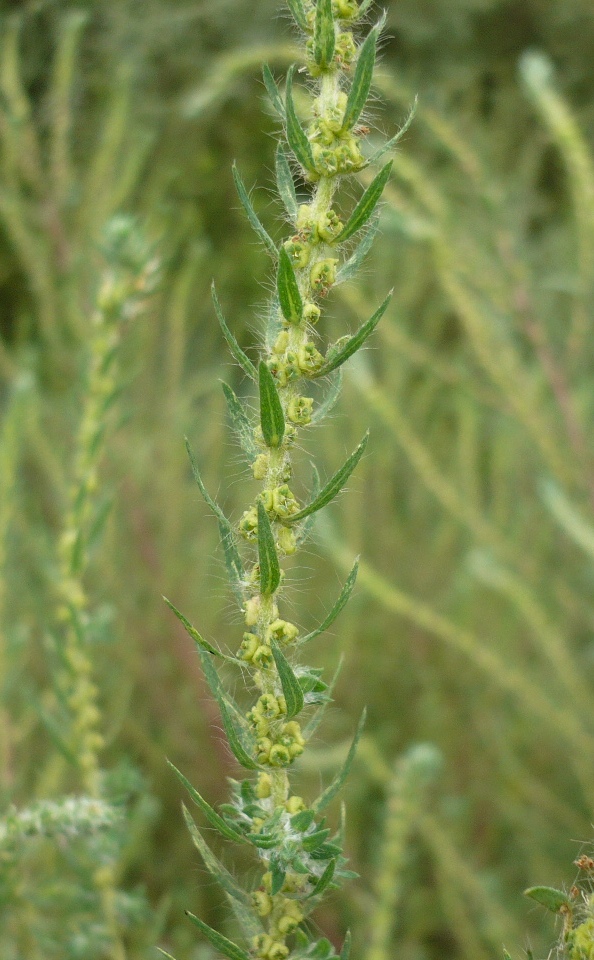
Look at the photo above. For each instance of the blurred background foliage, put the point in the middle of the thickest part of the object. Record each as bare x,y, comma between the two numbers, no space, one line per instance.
471,627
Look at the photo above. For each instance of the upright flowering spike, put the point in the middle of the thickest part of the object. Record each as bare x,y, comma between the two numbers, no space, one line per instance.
299,857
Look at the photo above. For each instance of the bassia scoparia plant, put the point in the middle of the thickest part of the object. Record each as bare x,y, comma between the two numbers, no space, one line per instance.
300,856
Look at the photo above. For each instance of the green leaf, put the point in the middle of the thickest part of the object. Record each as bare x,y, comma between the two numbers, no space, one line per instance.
330,792
301,821
272,418
307,525
314,840
233,560
298,10
211,815
323,881
235,730
240,422
213,864
336,358
292,691
278,877
326,405
324,34
296,136
286,184
345,594
351,266
312,725
362,78
367,204
548,897
346,946
288,292
196,637
394,140
273,91
333,487
269,566
251,213
219,942
243,360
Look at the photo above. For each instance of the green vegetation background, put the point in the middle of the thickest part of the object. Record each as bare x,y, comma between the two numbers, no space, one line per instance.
472,623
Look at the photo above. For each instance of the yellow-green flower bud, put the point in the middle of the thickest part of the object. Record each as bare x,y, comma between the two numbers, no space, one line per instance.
267,877
286,541
346,48
309,359
260,466
345,9
281,631
329,226
299,410
279,756
323,274
282,501
248,525
252,611
262,902
249,645
261,944
263,656
263,786
282,342
311,312
291,919
263,748
295,804
278,951
268,706
299,253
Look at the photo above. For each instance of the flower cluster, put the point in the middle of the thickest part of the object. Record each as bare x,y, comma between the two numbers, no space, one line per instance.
300,857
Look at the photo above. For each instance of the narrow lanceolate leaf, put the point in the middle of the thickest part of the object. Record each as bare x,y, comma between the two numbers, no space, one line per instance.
312,725
285,184
232,558
241,424
324,34
236,734
333,487
267,556
273,91
219,942
212,863
326,405
330,792
394,140
306,527
251,213
272,418
350,346
345,594
296,136
554,900
351,266
367,204
243,360
193,633
298,10
211,815
289,297
292,691
361,85
324,880
346,946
